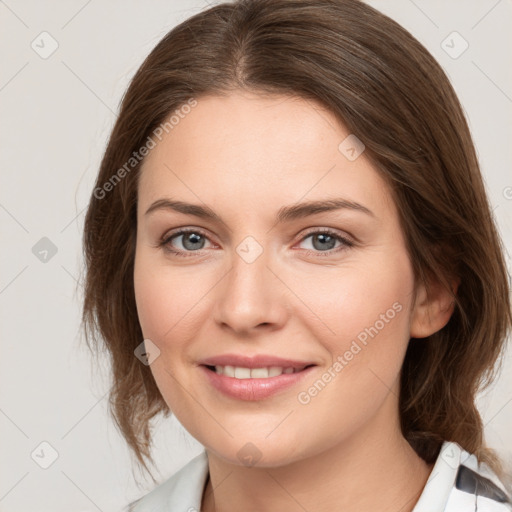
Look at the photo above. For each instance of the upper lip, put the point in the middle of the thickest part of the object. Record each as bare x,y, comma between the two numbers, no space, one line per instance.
257,361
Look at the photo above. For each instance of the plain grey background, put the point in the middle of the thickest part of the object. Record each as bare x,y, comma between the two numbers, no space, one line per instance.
56,111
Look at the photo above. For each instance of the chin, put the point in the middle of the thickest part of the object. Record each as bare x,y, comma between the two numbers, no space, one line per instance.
259,452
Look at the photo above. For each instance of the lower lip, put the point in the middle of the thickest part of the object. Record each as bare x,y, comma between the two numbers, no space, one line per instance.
254,389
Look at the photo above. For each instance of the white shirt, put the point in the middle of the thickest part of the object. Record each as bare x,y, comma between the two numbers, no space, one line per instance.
457,483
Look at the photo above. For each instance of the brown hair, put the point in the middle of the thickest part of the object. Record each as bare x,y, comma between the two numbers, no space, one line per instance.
386,88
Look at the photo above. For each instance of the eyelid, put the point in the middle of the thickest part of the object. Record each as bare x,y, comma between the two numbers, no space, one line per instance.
336,232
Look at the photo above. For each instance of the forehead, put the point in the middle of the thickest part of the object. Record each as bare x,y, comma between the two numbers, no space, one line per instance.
268,148
244,122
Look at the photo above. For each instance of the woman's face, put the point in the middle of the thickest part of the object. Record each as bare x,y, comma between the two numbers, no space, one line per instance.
262,278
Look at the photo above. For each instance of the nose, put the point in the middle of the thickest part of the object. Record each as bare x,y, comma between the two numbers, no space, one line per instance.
251,297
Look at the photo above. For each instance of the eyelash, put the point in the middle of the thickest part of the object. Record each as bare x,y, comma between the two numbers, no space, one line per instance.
165,242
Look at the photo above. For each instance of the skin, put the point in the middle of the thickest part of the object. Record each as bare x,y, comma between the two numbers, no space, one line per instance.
246,156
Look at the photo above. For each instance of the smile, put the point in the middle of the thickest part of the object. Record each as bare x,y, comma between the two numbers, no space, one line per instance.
253,384
240,372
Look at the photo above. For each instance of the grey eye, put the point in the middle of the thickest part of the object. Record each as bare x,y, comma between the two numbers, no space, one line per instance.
191,241
322,241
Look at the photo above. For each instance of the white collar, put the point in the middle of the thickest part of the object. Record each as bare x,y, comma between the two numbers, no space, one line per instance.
454,482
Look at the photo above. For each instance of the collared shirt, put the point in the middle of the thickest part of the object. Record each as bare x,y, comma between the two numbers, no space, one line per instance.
457,483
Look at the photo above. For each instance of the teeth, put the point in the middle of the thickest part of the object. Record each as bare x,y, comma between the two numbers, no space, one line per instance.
253,373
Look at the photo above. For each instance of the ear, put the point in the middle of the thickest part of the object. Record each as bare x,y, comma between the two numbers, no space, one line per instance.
432,310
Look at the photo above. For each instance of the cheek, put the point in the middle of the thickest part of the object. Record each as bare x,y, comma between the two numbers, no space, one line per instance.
359,302
162,309
367,311
164,298
152,301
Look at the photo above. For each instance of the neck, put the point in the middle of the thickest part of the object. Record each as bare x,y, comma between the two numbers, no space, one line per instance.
376,469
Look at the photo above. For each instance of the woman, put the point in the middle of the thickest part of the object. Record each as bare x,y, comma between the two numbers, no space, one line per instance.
290,248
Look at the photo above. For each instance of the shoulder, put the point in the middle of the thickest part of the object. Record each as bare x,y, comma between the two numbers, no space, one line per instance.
459,483
182,492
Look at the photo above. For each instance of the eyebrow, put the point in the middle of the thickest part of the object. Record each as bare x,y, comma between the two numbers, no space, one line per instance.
285,214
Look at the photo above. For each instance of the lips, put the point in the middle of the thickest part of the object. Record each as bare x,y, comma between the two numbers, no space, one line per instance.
253,378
